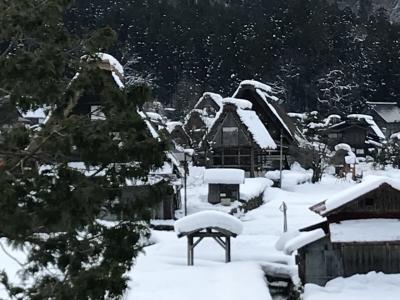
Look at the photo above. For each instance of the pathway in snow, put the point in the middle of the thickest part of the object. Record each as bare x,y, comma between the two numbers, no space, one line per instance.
162,272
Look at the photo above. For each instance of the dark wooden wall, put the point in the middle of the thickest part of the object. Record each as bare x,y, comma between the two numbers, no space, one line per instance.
322,260
231,190
383,202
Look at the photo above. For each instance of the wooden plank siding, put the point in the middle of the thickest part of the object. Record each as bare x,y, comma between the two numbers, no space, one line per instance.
383,202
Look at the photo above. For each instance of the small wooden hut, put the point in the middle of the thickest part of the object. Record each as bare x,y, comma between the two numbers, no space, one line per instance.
223,185
360,234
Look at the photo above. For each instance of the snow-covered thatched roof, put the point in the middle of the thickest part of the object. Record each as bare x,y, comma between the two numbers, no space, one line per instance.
369,184
212,96
388,111
270,102
370,120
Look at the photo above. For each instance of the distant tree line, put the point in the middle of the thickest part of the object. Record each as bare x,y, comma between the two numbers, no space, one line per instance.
317,55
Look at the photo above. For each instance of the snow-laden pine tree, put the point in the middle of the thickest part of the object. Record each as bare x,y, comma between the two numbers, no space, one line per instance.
48,206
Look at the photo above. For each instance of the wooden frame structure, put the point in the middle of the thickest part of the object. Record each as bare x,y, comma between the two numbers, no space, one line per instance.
221,236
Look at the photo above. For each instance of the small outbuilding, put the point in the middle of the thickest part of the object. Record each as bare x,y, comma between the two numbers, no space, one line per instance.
361,233
223,185
208,224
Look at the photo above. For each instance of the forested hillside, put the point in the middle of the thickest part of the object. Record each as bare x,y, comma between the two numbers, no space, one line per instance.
317,55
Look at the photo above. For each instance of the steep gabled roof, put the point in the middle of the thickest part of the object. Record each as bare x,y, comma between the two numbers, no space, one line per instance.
249,119
336,201
370,120
388,111
215,98
265,97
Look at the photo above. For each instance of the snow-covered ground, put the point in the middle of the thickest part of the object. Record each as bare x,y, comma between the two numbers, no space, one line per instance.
162,272
371,286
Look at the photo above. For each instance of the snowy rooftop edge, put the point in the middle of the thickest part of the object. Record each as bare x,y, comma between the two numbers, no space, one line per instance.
302,239
369,183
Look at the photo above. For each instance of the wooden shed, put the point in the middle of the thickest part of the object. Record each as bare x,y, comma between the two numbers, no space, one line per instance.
223,185
361,233
358,131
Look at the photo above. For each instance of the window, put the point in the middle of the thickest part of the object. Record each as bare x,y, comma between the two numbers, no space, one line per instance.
230,136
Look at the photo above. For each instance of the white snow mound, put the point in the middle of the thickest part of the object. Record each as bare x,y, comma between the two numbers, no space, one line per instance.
224,176
208,218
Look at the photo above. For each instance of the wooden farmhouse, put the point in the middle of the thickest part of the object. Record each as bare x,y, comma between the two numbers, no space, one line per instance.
201,117
273,117
359,131
178,134
164,183
361,233
387,116
238,139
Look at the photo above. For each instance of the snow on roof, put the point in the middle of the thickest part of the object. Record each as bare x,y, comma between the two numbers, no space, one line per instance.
300,116
257,85
302,239
257,129
154,116
368,230
224,176
389,111
369,184
273,110
172,125
216,97
207,219
371,122
240,103
372,142
328,119
145,118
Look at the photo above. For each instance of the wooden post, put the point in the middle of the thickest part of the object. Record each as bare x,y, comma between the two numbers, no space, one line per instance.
227,249
190,251
252,162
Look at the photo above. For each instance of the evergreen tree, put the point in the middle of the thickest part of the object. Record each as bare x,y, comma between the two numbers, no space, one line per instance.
48,206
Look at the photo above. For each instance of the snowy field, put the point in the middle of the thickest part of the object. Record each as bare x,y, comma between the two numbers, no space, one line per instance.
162,272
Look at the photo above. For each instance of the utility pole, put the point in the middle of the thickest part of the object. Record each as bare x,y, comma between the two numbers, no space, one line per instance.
281,161
185,183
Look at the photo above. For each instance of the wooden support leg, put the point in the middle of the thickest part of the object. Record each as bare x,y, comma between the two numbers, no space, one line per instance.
227,249
190,251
